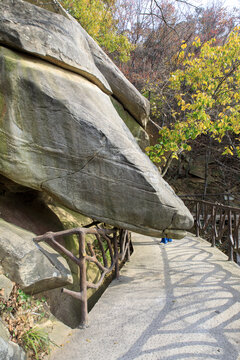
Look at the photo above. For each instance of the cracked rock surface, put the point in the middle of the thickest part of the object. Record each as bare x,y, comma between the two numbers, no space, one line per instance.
61,40
50,36
60,133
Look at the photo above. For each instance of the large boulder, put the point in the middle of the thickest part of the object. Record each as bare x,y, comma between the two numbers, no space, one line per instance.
61,40
34,267
61,134
51,36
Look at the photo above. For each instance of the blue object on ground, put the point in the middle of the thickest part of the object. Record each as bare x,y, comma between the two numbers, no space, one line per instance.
166,240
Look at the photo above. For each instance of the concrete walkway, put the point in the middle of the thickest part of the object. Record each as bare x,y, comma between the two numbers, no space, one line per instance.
173,302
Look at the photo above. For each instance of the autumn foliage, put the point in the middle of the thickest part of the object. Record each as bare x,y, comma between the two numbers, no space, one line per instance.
207,92
184,59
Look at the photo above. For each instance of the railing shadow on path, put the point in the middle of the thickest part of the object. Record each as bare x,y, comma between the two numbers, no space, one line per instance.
201,315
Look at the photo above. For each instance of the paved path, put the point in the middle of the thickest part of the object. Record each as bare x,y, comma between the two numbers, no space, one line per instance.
173,302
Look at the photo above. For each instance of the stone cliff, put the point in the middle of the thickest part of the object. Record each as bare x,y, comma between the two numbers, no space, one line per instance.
60,132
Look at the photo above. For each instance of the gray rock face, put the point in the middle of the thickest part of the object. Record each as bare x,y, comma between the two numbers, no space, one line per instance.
10,351
50,36
61,134
6,285
140,135
34,267
4,333
61,40
52,6
124,91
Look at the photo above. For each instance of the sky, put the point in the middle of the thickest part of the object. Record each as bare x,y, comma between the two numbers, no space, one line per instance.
227,3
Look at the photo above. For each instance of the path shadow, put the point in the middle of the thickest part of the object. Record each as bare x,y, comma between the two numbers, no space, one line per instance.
201,315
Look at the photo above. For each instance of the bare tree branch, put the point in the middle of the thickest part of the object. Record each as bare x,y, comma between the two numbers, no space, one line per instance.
187,3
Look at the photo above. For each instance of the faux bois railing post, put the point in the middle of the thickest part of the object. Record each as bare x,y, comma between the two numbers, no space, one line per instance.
231,242
219,222
105,244
197,219
214,212
83,280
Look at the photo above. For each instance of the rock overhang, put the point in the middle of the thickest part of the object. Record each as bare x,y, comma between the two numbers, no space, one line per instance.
50,36
60,39
68,140
90,164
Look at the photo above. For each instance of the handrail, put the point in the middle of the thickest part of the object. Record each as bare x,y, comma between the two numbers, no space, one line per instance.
117,245
219,223
222,198
227,207
207,195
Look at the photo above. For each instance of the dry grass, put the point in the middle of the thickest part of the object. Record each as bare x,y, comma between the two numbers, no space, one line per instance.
21,313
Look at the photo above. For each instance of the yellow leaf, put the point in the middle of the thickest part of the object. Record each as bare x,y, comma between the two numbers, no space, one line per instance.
183,46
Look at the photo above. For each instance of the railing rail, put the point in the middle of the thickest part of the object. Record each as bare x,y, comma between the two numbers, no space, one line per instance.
115,242
220,224
225,198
